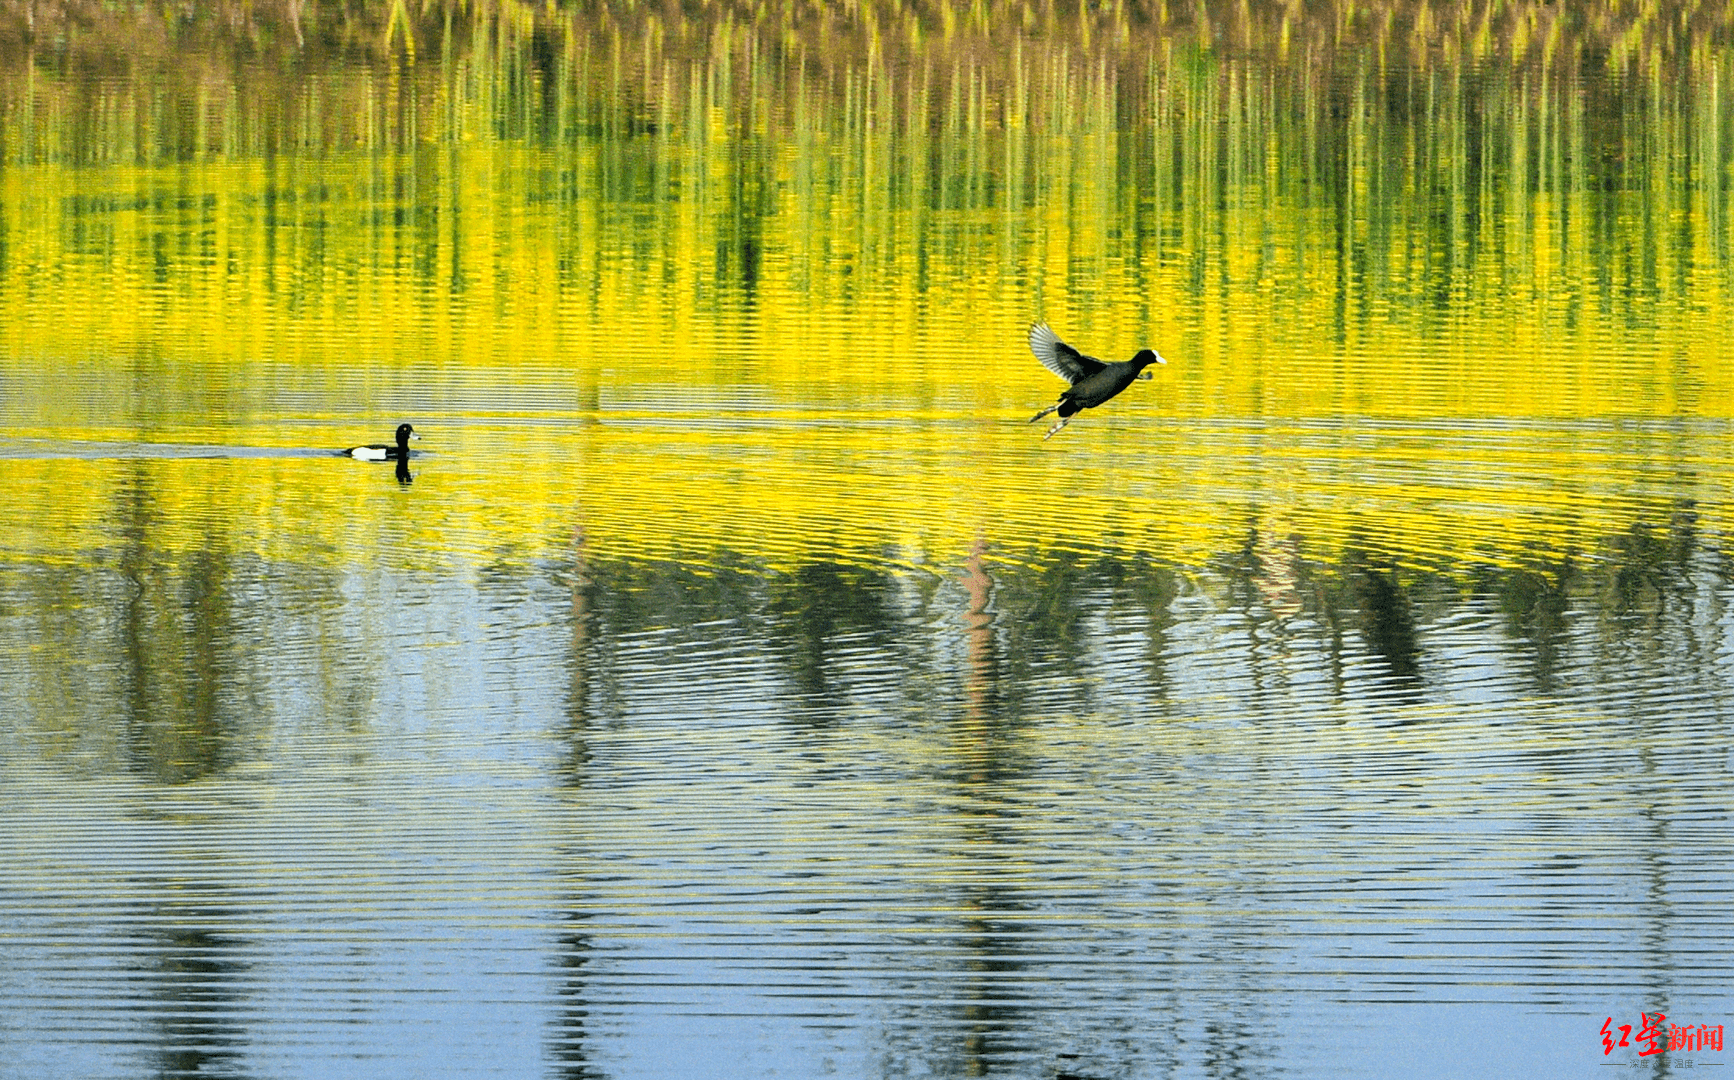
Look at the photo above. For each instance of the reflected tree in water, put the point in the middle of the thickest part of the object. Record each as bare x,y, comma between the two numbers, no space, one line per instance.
1387,621
819,611
1535,603
180,683
196,984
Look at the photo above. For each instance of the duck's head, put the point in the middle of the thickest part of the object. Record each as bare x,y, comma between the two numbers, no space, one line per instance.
1144,359
405,433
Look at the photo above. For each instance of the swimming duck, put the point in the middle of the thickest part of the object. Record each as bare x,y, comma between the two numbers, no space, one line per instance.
381,452
1093,381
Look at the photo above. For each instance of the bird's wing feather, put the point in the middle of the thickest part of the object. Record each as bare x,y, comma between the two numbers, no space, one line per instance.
1060,358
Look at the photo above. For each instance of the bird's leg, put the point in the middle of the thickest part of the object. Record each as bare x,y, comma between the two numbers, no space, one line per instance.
1044,412
1055,430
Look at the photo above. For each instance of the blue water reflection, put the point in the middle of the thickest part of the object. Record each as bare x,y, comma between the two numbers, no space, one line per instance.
1113,818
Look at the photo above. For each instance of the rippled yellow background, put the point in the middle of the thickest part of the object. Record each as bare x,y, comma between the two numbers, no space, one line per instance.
690,286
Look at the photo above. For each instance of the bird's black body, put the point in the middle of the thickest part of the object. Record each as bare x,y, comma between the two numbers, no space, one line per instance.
382,452
1093,381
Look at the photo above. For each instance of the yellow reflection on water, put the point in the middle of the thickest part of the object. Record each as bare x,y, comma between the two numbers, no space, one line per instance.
887,491
763,298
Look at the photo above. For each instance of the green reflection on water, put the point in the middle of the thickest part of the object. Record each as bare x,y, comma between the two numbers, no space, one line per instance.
177,664
1445,297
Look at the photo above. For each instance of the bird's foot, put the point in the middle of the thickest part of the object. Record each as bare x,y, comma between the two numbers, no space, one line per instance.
1055,430
1043,413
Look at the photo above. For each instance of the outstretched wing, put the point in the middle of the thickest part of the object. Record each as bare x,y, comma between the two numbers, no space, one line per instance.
1060,358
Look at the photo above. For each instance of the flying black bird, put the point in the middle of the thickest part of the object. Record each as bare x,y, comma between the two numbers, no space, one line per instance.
1093,381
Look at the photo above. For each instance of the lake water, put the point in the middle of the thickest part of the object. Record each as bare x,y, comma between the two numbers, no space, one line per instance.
735,683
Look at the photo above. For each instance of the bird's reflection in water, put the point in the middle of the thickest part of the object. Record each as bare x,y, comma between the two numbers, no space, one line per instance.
403,473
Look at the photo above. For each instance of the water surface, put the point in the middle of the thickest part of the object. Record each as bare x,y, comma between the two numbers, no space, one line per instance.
735,683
